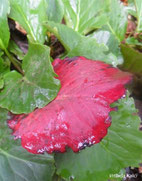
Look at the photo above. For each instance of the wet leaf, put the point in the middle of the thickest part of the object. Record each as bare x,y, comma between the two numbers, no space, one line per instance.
30,15
79,115
83,19
132,59
16,164
119,149
36,88
55,10
77,45
4,29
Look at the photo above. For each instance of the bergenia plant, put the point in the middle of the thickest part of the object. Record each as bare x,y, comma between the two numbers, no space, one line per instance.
70,71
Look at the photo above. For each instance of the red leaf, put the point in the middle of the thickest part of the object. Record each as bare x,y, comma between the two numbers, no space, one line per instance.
79,116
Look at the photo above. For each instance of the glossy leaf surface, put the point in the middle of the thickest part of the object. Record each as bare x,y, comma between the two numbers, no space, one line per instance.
4,29
84,19
119,149
77,45
16,164
36,88
79,115
30,15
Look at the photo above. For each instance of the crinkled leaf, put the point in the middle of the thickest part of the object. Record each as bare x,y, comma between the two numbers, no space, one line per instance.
79,115
22,94
119,149
138,5
132,59
4,29
16,164
55,10
30,15
85,15
77,45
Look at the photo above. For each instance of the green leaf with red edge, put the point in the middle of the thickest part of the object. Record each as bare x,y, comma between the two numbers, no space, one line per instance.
22,94
119,149
16,164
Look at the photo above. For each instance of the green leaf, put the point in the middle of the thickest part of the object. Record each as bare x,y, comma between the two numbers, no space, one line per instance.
13,48
1,83
78,45
22,94
133,41
119,149
30,15
90,49
55,10
107,38
4,29
138,5
117,23
4,67
16,164
132,59
85,15
131,8
68,37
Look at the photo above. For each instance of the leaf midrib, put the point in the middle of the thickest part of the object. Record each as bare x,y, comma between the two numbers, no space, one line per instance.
26,21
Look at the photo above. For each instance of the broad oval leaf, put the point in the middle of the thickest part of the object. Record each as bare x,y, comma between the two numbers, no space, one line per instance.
4,29
22,94
30,15
79,116
16,164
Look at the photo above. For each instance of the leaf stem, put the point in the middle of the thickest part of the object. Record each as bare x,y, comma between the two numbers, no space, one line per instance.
14,62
